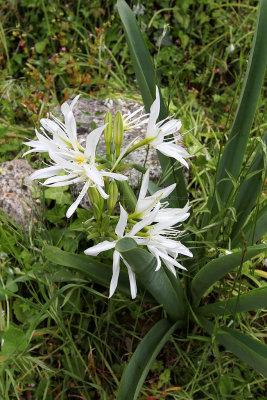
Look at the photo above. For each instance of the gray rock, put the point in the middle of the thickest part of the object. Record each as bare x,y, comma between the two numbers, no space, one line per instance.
15,190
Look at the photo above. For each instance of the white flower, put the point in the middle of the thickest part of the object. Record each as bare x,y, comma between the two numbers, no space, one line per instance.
156,133
156,227
68,156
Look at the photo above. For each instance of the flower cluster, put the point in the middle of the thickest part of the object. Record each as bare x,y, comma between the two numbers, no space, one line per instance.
152,224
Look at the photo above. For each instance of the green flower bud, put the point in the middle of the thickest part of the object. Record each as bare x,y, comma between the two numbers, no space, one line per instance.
96,200
97,213
108,130
118,132
113,196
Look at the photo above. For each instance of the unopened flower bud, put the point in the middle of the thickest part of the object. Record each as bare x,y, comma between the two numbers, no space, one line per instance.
118,132
97,213
113,196
96,199
108,130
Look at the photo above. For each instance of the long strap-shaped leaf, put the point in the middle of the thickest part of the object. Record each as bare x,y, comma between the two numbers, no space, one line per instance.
138,367
96,271
156,282
145,75
216,269
233,154
249,190
250,301
253,352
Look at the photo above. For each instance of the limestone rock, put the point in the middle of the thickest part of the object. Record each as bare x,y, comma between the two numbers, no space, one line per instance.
15,190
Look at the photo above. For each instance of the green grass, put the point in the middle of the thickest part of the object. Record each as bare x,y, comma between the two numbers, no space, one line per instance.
63,338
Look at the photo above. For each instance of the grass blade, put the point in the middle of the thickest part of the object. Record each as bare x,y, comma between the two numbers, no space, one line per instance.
138,367
216,269
253,352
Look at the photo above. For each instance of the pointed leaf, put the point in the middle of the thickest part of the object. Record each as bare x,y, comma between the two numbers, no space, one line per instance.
233,154
140,362
156,282
249,350
250,301
216,269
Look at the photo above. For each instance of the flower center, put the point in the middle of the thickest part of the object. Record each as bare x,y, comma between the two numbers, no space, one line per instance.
79,159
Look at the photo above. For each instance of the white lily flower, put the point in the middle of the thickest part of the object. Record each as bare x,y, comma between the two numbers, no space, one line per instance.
68,156
156,133
153,237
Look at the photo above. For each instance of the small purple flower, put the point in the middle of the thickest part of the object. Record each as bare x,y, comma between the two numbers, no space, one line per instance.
49,59
90,35
31,85
32,48
56,54
5,96
63,48
67,5
50,97
72,39
109,51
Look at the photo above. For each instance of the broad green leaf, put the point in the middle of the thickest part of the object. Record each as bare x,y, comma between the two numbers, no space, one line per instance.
249,350
145,75
14,341
60,196
233,154
40,46
140,362
250,301
216,269
157,283
96,271
249,190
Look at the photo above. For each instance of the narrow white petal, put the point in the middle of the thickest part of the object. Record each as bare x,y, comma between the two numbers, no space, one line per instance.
121,225
132,280
74,101
98,248
144,186
71,129
45,173
116,272
102,192
59,178
117,177
170,259
174,151
153,250
73,207
92,141
64,183
65,108
163,193
154,113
